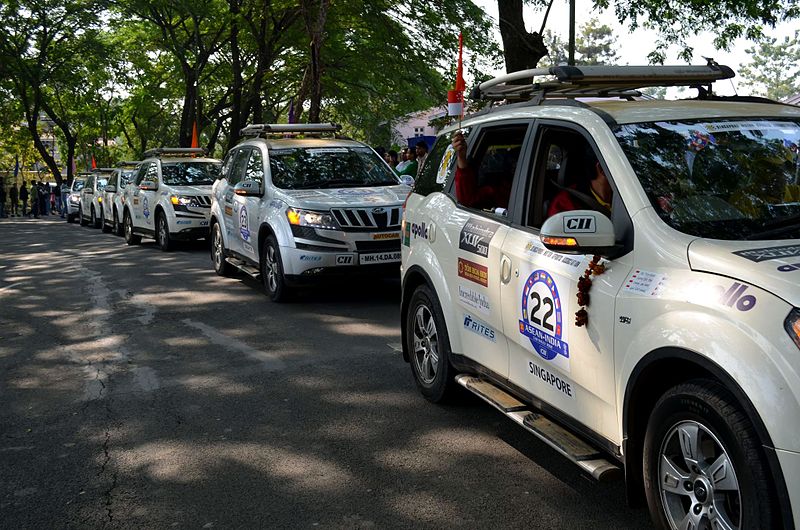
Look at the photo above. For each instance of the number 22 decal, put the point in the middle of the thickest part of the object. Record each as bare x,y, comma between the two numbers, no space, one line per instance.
546,320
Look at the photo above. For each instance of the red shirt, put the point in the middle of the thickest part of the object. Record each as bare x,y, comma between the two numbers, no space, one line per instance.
470,194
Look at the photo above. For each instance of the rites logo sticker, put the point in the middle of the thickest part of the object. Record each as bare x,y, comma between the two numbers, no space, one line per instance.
473,272
542,318
243,228
765,254
476,235
479,328
145,208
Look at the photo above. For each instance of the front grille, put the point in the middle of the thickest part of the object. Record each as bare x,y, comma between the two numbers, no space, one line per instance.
363,219
391,245
203,201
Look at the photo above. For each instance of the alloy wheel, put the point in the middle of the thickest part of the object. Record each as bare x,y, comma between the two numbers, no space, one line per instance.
426,345
271,263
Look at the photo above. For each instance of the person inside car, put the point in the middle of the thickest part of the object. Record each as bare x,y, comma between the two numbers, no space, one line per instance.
469,191
592,192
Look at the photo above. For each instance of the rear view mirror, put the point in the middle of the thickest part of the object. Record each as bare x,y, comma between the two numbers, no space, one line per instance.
408,180
148,185
248,188
579,232
111,188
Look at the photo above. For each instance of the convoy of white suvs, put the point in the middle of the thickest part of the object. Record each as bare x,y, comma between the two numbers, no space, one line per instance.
618,275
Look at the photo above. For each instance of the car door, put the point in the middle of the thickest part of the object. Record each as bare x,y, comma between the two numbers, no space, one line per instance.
87,194
148,197
477,232
568,367
249,206
230,207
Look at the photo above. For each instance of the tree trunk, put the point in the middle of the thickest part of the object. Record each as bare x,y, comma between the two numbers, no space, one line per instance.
315,27
522,50
236,70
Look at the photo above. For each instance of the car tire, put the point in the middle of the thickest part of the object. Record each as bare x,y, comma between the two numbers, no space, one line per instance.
130,237
117,227
221,267
94,222
81,220
703,462
429,347
162,233
272,271
103,224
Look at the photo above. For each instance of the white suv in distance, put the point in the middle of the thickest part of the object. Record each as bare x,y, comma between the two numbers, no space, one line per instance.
621,277
74,199
295,209
114,195
170,197
91,197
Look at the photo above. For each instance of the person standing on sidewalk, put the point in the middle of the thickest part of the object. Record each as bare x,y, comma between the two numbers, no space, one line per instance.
23,196
35,199
64,198
12,194
2,198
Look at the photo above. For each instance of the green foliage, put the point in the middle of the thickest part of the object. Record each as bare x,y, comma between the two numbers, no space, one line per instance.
774,71
595,44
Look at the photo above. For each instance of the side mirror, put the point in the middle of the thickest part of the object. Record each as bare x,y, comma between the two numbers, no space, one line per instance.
408,180
579,232
147,185
110,188
248,188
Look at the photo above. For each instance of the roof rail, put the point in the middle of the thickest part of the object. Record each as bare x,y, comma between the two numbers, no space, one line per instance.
259,129
102,170
128,163
175,151
596,81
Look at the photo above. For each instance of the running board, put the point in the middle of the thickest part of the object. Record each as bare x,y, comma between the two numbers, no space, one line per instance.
244,267
564,442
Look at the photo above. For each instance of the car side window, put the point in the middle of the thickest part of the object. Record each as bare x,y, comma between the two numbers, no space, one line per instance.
90,182
485,184
142,172
152,173
239,166
255,167
438,170
224,173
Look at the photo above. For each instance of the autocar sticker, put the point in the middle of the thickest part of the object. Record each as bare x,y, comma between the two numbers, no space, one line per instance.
476,235
544,301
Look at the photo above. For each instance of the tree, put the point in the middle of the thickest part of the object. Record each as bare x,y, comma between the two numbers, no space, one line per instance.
595,44
774,71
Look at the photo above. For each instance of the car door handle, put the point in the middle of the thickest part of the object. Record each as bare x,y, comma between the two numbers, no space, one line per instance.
505,269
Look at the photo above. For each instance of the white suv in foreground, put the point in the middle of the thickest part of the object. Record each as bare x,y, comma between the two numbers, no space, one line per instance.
114,195
295,209
170,197
621,277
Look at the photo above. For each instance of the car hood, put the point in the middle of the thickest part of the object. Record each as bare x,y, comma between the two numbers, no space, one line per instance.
346,197
771,265
191,190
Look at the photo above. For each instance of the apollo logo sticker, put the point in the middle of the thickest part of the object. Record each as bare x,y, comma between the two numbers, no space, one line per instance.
476,235
733,297
420,230
579,224
542,318
243,228
473,272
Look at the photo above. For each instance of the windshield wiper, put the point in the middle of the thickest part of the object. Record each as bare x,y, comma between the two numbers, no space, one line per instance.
777,227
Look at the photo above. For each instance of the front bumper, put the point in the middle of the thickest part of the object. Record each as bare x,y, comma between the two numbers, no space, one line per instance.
306,262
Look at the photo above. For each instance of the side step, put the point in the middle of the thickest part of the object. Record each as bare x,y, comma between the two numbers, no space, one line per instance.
244,266
575,449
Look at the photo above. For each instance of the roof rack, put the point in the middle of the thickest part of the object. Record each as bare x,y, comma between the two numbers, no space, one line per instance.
175,151
128,163
102,170
259,129
597,81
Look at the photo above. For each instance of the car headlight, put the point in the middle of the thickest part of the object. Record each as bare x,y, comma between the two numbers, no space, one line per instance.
300,217
792,325
74,197
179,200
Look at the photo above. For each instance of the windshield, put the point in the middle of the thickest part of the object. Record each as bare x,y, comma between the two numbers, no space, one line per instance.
720,179
189,173
330,167
77,185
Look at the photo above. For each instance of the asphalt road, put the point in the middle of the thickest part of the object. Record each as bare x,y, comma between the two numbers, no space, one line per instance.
139,389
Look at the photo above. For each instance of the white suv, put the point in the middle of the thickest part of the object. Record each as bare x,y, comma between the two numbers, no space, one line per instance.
90,208
74,199
170,197
294,209
622,278
114,195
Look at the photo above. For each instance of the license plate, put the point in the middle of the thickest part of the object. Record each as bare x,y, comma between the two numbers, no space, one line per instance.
380,257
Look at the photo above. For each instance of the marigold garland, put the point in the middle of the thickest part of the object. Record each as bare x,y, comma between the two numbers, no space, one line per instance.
584,284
